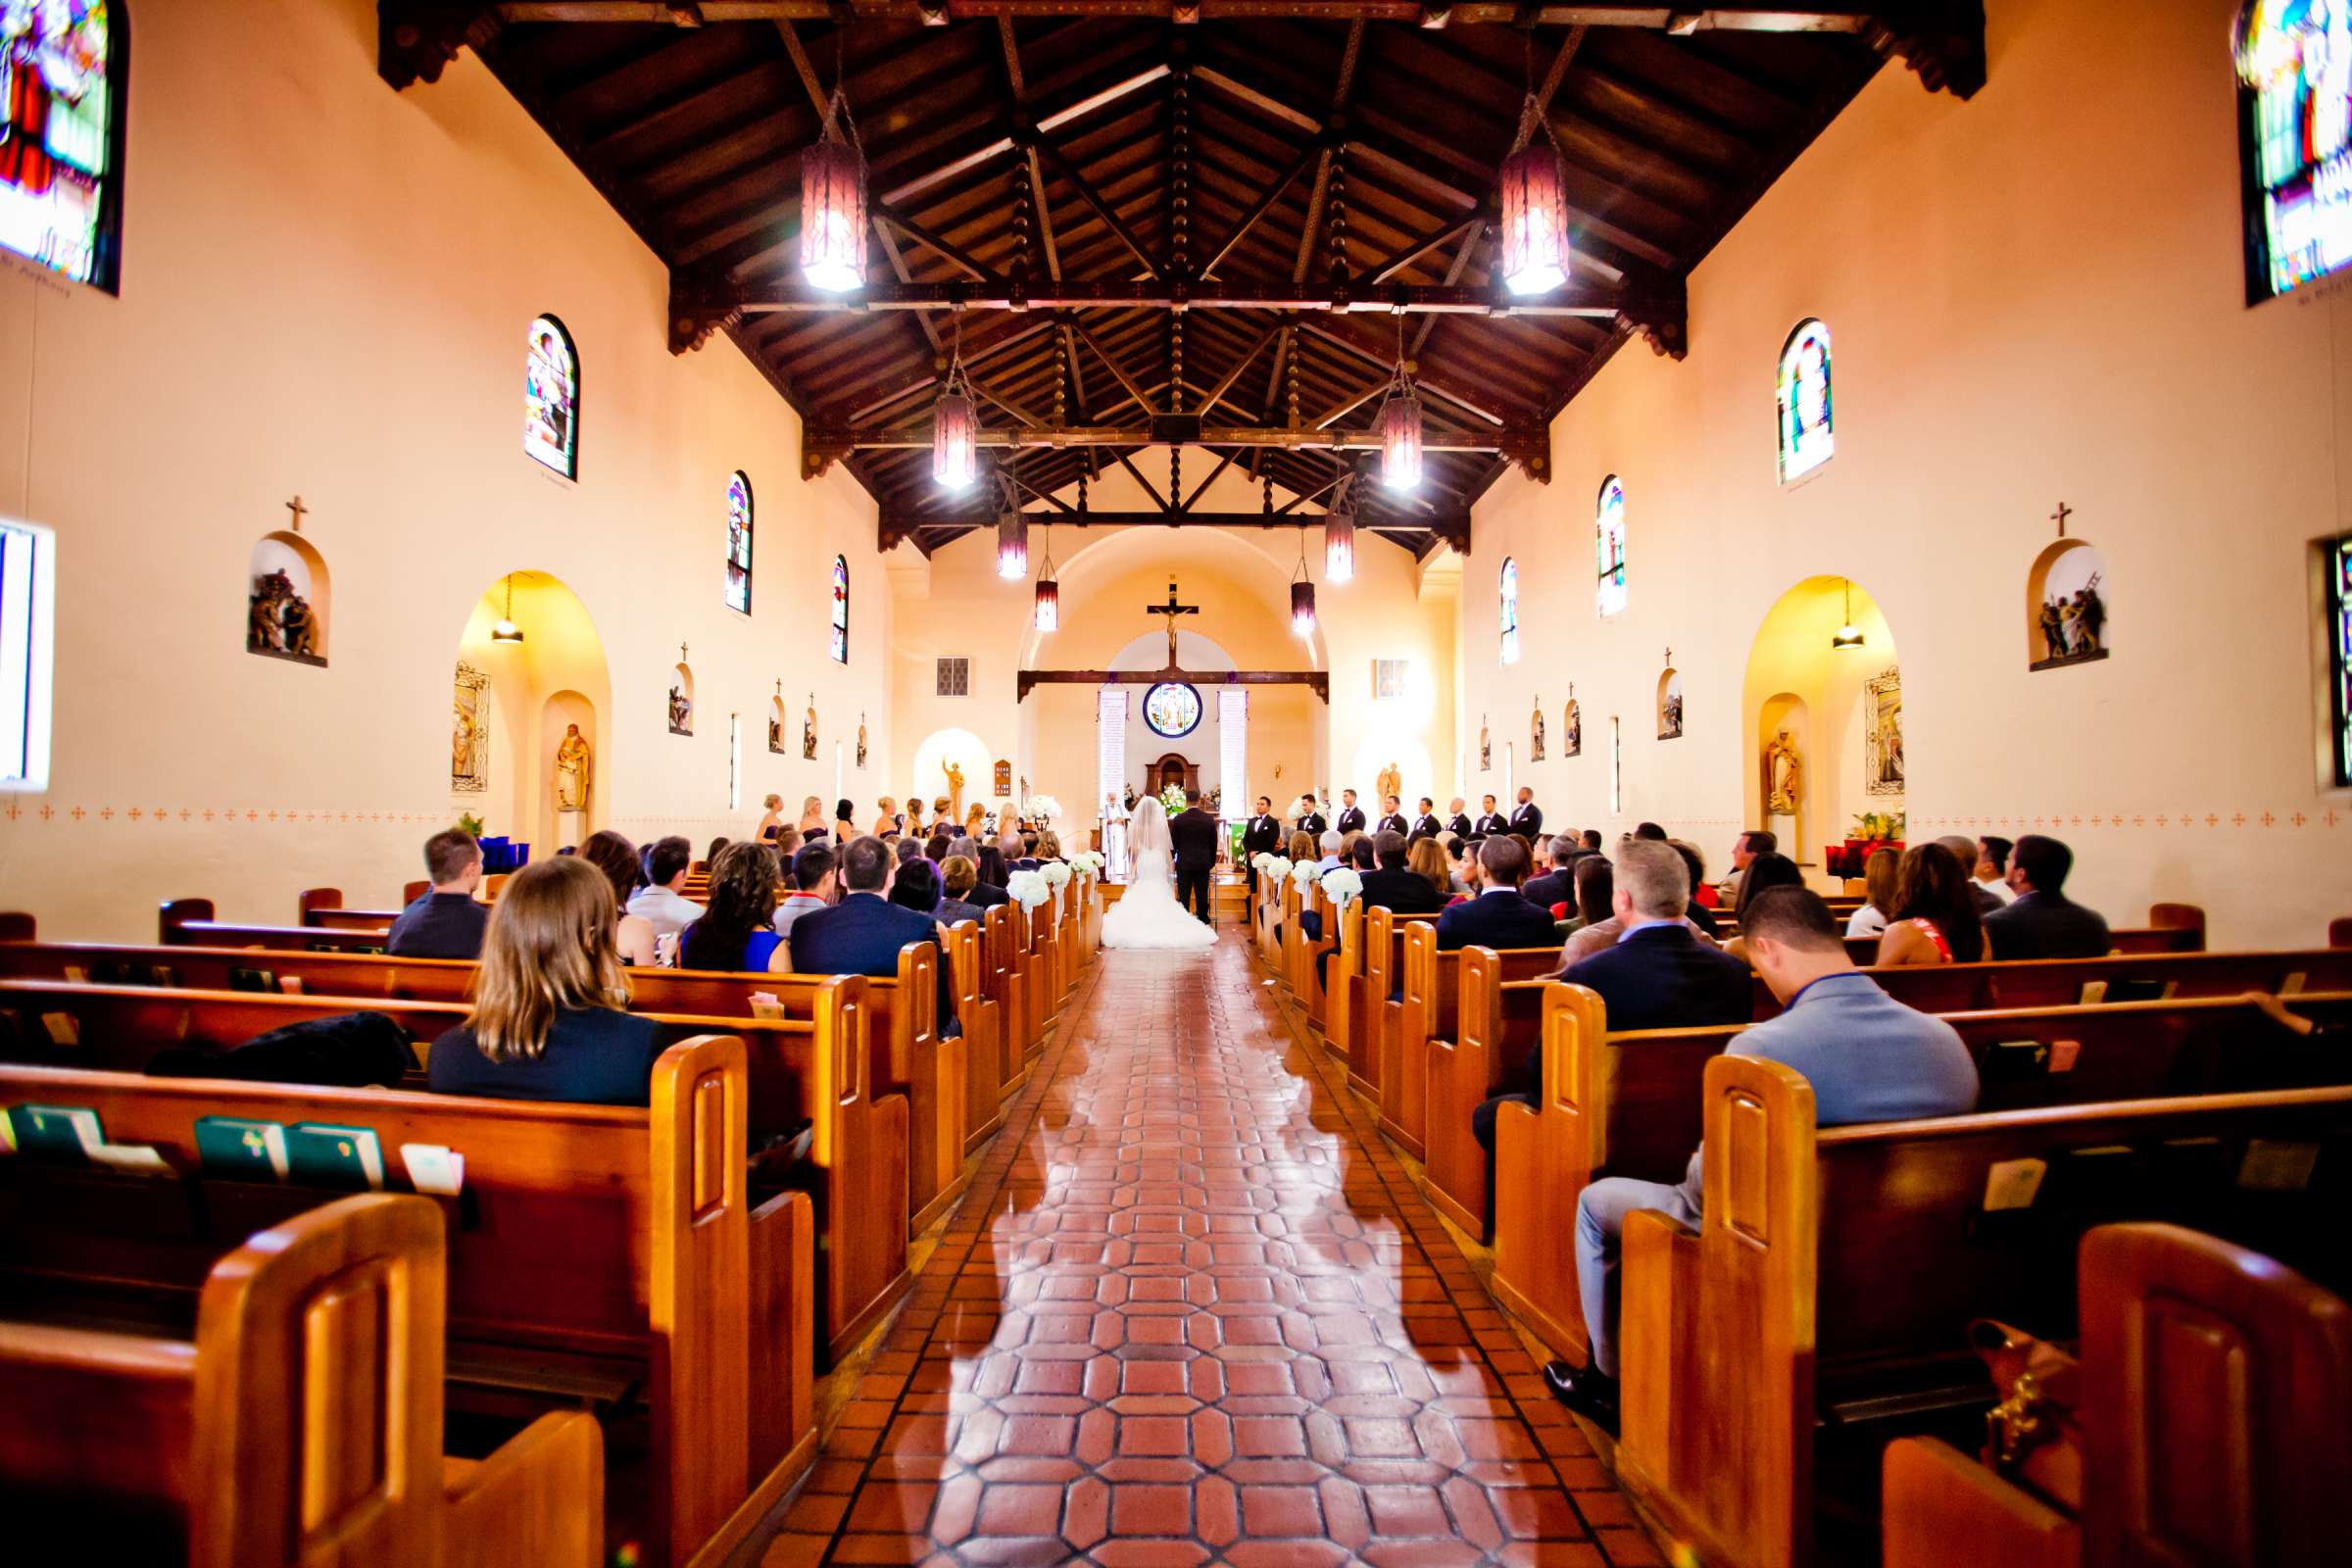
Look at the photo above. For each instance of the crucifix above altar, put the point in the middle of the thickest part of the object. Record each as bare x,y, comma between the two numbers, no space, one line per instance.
1172,609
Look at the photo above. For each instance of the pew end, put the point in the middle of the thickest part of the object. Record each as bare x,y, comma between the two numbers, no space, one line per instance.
1942,1510
1544,1154
18,926
539,1499
1657,1313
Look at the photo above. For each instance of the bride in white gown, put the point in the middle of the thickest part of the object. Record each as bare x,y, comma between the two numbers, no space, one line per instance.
1147,914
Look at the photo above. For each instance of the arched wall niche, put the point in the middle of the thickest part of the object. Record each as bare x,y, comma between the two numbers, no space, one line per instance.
780,726
681,699
1670,705
1797,681
2066,606
289,600
968,753
530,690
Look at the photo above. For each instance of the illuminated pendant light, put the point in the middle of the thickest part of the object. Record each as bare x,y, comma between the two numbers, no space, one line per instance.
1302,596
1535,215
1399,428
955,432
1338,537
1049,591
1012,532
1848,636
506,631
833,204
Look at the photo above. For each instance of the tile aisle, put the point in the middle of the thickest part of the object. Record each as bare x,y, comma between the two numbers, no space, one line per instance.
1194,1311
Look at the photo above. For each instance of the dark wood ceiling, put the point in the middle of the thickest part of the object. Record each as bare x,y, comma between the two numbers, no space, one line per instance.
1029,166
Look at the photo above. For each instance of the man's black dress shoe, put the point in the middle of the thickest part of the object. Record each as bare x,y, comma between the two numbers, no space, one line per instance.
1587,1393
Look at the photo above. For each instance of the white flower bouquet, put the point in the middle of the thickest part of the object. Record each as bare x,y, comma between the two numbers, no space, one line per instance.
1044,809
1056,872
1028,889
1342,882
1088,861
1272,866
1304,872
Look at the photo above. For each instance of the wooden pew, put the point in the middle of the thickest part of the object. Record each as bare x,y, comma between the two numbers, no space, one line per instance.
297,1419
2339,933
1498,1012
1431,983
1342,978
1630,1105
2170,1317
2053,982
815,1068
1298,952
189,921
1008,988
597,1251
1835,1272
323,906
983,1050
1370,1013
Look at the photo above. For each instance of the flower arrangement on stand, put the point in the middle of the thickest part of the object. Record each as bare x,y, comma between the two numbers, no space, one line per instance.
1043,809
1304,872
1088,861
1172,797
1342,882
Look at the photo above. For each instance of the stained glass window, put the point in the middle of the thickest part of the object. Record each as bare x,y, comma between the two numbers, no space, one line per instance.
841,611
1510,610
1806,436
1609,533
551,398
2295,73
61,143
2339,649
739,543
1172,710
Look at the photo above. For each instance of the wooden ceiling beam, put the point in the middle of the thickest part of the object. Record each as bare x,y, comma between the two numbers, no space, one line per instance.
790,295
1817,16
1111,364
840,441
1098,206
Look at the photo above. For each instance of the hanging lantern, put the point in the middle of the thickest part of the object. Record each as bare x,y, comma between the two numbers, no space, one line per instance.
833,205
1339,547
1848,637
1303,608
954,436
1400,437
1012,544
1534,219
1049,591
506,631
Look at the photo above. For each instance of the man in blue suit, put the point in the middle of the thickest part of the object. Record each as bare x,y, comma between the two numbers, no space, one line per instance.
863,933
1499,917
1658,974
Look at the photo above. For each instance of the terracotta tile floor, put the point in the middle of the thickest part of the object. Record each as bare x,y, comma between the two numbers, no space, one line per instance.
1194,1311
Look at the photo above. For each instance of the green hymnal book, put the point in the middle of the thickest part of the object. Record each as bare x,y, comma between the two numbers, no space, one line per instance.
252,980
231,1146
67,1133
336,1157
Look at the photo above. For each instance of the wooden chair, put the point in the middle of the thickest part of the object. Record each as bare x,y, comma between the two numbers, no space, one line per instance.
1835,1271
298,1421
601,1254
2207,1371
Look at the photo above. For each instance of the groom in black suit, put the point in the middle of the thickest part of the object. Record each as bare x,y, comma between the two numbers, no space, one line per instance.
1192,834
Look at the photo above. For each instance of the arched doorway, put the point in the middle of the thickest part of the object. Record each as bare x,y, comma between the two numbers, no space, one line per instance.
517,703
1822,719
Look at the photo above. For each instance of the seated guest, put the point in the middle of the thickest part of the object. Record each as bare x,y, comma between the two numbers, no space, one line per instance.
988,891
1936,918
1499,916
1557,886
1362,852
993,870
1991,868
960,876
710,856
863,933
917,887
1867,1056
1300,848
1651,832
1591,837
1049,847
1767,869
1398,885
448,921
1332,842
1877,885
1964,849
2044,923
547,1021
1700,911
1461,860
1596,893
1656,975
1588,940
768,825
662,903
786,843
906,849
1015,853
616,857
736,932
1745,848
845,824
1426,859
812,887
935,849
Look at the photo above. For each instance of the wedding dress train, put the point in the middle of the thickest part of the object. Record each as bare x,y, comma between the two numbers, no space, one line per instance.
1147,914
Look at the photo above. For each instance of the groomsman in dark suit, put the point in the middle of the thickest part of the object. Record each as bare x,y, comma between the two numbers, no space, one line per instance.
1490,821
1262,835
1458,822
1529,818
1311,820
1352,817
1391,819
1427,825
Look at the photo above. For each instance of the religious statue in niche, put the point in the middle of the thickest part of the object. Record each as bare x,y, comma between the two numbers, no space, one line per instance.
860,740
280,622
1535,748
470,736
809,731
1392,782
1784,776
1486,746
571,771
955,792
2071,611
1883,733
681,712
1670,707
1002,779
776,721
1572,727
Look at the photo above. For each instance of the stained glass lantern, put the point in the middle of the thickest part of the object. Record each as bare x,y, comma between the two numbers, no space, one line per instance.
1303,608
1012,544
833,207
1049,604
1338,543
1401,438
955,439
1534,219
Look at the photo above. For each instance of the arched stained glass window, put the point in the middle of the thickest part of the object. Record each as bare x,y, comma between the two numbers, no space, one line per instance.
1510,610
61,136
1608,532
2294,132
551,399
1806,437
841,611
739,543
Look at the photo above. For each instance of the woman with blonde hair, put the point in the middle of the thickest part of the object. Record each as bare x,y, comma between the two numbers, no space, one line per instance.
1878,883
547,1021
887,822
812,816
772,823
1301,846
1049,846
1426,860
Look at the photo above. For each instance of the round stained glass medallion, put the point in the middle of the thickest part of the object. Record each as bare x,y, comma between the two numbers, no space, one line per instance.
1172,710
